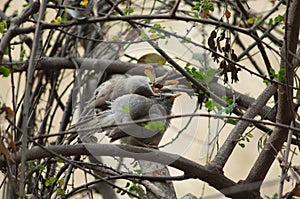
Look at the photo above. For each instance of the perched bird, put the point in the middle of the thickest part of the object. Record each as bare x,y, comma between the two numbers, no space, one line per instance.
119,85
124,112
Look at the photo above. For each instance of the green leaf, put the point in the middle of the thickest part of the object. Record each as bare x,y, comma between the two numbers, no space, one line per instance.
6,51
61,181
198,56
232,121
229,109
267,82
127,185
209,74
281,75
197,6
3,27
125,109
155,126
250,135
152,58
201,73
270,22
59,160
50,181
196,15
143,35
138,171
115,38
25,5
157,25
211,105
60,191
22,55
279,19
242,145
41,167
4,71
298,95
128,11
210,6
251,20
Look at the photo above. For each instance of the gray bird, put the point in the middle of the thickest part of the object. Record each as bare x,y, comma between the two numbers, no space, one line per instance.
119,85
129,108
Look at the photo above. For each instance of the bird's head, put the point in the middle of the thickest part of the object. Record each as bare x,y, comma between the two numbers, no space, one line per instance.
166,100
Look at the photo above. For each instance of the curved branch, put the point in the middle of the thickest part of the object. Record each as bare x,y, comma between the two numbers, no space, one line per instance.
190,168
12,31
284,115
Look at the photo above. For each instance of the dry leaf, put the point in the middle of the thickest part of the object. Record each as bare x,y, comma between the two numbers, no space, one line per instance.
4,151
9,113
171,82
150,72
204,14
227,14
152,58
11,142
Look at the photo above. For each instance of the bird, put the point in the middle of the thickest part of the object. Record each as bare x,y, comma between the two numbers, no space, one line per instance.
126,110
117,86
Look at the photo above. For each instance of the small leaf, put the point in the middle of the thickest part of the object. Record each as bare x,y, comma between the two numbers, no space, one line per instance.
155,126
196,7
232,121
242,145
267,82
61,182
56,20
25,5
60,191
84,3
138,171
125,109
227,14
11,142
279,18
211,105
270,22
22,55
143,35
50,181
127,185
41,167
5,71
4,150
152,58
115,38
128,11
250,135
281,75
150,72
59,160
198,56
204,13
251,21
3,27
298,95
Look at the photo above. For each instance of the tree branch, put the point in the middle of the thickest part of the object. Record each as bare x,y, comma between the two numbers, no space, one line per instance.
284,115
16,22
190,168
225,151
